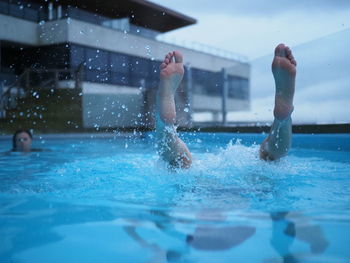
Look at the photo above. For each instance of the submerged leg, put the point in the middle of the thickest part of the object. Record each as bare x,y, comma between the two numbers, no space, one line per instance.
170,147
278,142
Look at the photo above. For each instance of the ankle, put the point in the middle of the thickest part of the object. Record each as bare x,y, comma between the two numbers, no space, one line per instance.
167,91
283,107
282,112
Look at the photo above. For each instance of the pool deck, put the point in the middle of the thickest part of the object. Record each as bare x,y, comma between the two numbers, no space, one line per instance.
204,127
259,128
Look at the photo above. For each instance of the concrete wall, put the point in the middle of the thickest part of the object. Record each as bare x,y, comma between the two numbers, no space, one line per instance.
18,30
210,103
111,106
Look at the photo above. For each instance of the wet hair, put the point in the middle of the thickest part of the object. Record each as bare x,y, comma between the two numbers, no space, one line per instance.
14,146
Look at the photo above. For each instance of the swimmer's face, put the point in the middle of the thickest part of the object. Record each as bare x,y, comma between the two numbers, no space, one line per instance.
23,142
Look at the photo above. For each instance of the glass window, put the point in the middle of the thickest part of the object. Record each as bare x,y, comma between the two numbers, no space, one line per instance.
97,76
16,10
238,87
139,67
4,8
96,59
120,79
55,56
86,16
206,82
77,56
135,81
154,69
73,12
119,63
31,14
42,14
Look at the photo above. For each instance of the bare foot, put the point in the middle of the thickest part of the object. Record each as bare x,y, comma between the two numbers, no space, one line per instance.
171,74
284,71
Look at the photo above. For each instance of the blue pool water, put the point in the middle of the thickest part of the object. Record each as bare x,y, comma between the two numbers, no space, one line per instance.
110,199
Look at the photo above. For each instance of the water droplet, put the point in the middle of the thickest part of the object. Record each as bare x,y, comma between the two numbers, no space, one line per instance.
186,109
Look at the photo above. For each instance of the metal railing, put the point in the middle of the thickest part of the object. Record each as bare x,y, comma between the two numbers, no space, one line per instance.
203,48
9,97
36,79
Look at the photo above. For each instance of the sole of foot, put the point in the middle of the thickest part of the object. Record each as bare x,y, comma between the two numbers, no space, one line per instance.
284,72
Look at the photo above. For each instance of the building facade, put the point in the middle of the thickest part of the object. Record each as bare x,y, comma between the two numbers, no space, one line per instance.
114,48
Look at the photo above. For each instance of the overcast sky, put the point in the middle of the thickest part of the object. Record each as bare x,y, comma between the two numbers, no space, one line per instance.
253,28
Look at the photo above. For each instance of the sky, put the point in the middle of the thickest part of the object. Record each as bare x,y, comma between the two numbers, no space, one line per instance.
253,28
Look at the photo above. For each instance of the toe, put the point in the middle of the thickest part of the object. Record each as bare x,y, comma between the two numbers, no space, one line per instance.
178,56
163,65
288,51
290,57
169,56
280,50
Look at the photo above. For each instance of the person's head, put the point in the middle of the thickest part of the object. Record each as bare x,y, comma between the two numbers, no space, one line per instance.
22,141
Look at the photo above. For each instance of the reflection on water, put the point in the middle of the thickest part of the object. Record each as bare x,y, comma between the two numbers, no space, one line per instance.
285,230
35,227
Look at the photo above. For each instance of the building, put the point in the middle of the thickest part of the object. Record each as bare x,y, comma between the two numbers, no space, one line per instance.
108,52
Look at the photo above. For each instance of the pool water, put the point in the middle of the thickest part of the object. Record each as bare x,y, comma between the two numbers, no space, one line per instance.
89,199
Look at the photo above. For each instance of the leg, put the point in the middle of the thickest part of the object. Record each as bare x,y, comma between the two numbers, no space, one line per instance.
278,142
170,147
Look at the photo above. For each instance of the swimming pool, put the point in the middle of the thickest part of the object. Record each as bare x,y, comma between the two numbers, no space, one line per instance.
92,199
